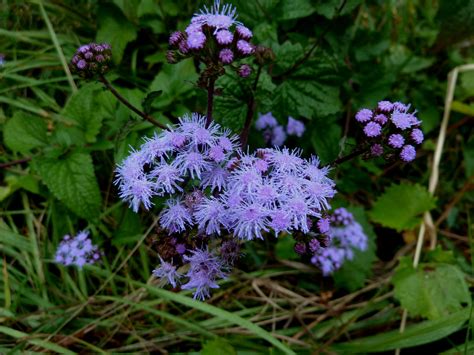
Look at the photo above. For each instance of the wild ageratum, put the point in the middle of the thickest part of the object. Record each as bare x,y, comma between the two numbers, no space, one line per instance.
391,130
77,251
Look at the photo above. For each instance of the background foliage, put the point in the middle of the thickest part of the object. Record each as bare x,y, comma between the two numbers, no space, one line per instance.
331,58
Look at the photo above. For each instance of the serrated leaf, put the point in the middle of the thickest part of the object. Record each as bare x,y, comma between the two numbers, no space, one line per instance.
401,206
71,179
148,100
24,132
432,290
85,109
353,273
115,29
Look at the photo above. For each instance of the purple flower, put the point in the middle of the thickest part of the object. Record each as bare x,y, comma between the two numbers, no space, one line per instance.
396,140
250,221
243,32
403,120
215,178
193,28
211,216
204,270
323,225
385,106
226,56
278,136
381,119
372,129
167,272
196,40
265,121
183,46
77,251
81,64
181,248
224,37
244,47
417,136
364,115
245,70
408,153
376,150
300,248
230,252
217,17
175,38
399,106
295,127
175,216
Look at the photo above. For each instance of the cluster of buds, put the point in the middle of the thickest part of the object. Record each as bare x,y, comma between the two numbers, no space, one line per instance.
215,38
91,59
275,134
77,251
391,130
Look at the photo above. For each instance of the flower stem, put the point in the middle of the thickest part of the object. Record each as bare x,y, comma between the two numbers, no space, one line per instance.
127,103
250,110
349,156
15,162
210,99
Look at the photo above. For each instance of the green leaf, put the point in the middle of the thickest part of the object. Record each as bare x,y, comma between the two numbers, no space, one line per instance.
217,347
468,150
284,248
433,291
176,81
401,205
115,29
326,145
148,100
24,132
353,273
293,9
71,179
84,108
414,335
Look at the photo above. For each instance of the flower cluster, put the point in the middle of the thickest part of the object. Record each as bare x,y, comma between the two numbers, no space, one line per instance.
214,35
391,129
204,269
273,133
77,250
91,59
345,236
187,152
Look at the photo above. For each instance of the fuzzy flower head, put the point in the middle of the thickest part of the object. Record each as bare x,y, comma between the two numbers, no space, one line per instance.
295,127
217,17
91,59
284,194
167,273
389,128
346,236
187,151
77,251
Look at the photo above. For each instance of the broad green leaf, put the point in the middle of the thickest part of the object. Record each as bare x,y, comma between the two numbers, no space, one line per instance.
285,248
433,291
326,145
72,180
401,205
293,9
414,335
24,132
15,182
85,109
353,273
115,29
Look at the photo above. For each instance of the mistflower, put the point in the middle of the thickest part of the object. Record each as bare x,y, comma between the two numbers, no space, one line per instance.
175,216
211,216
372,129
396,140
224,37
346,235
284,195
167,272
196,40
204,270
77,251
385,106
403,119
91,59
277,137
265,121
243,32
364,115
230,252
417,136
175,38
244,47
408,153
295,127
381,119
217,17
376,150
226,56
245,70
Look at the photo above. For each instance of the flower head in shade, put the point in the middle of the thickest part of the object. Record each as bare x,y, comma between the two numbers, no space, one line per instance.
295,127
389,127
167,272
224,37
265,121
175,38
346,235
408,153
91,59
230,252
226,56
244,47
244,70
243,32
278,136
77,251
205,269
